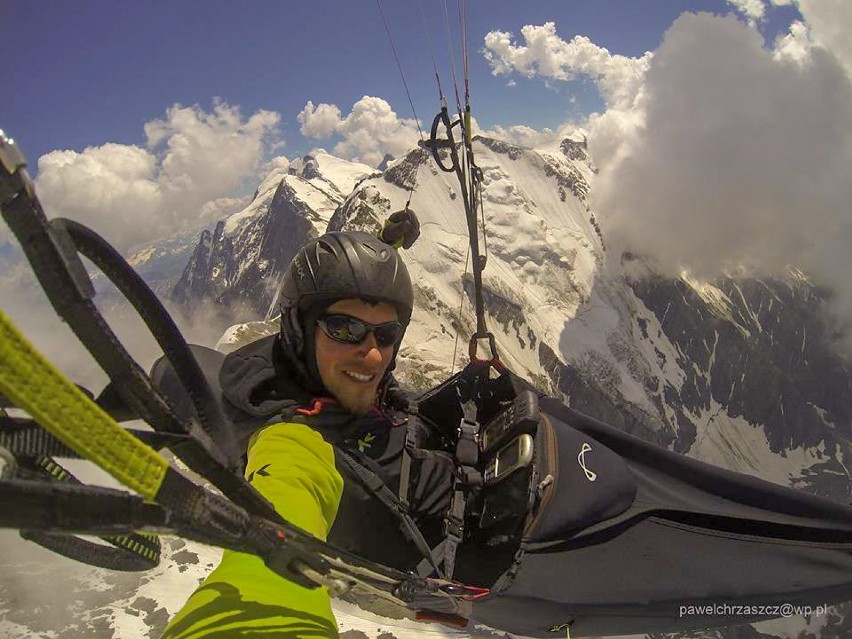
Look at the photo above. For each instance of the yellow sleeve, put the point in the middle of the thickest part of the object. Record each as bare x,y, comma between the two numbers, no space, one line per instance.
293,467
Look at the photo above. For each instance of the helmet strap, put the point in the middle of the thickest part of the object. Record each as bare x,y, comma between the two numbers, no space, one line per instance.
307,327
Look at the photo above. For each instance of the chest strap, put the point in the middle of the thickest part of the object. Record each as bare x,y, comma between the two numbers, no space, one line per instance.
466,478
376,486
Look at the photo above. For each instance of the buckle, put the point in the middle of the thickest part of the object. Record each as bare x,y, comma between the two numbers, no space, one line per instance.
453,528
467,446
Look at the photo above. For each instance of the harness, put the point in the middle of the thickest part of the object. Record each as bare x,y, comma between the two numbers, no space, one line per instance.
462,425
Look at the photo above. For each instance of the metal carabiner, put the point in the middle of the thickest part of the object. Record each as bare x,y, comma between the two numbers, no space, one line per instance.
474,341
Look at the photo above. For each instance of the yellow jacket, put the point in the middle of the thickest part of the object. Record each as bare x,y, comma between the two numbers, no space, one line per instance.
293,467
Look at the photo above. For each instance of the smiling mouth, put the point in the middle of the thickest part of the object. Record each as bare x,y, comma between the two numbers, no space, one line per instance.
361,378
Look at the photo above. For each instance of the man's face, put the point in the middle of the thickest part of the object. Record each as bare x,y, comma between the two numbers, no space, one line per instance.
352,372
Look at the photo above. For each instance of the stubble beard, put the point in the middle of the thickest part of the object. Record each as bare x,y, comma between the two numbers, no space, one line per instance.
357,402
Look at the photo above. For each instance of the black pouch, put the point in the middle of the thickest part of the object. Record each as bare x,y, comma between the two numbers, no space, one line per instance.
580,482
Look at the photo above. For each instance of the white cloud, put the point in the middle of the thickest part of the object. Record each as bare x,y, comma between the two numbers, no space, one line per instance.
319,122
526,136
719,151
826,23
753,9
367,133
548,56
830,23
133,195
619,79
736,158
795,46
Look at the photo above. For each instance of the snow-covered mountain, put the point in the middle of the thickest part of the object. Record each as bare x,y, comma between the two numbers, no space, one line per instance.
738,372
240,261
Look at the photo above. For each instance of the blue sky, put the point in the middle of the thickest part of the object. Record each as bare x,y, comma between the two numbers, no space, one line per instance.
80,74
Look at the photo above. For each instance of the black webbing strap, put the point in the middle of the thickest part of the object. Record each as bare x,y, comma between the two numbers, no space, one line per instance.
64,506
466,478
411,444
410,452
373,483
136,556
453,529
25,438
90,509
425,568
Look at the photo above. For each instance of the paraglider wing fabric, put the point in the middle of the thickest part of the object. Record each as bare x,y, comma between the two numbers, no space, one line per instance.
695,535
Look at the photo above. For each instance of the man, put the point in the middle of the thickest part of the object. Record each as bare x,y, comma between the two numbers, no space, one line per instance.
346,300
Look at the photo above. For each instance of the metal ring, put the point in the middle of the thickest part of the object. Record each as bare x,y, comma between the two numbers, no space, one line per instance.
474,342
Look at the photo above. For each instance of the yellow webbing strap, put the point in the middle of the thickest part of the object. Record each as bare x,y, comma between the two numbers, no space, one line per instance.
32,383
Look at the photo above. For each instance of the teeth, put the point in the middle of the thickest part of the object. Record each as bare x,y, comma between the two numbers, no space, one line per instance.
360,377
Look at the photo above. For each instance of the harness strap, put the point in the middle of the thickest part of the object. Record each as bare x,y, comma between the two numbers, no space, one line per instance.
372,482
25,438
454,531
426,567
405,477
43,508
411,444
466,478
29,381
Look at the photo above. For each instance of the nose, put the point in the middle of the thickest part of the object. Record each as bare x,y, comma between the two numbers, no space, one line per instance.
370,350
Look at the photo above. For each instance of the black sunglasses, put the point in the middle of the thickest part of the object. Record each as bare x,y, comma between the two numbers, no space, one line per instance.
351,330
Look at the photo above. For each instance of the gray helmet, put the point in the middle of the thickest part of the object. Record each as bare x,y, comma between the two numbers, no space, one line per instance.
341,265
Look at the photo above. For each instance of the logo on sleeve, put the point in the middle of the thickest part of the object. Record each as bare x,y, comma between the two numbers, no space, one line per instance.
260,471
365,442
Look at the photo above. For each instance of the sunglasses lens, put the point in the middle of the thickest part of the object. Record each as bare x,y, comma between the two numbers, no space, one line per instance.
351,330
387,334
345,329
